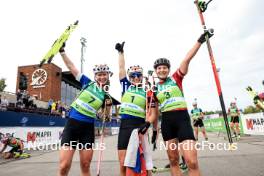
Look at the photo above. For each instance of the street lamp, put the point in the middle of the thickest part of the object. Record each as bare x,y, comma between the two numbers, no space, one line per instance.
83,43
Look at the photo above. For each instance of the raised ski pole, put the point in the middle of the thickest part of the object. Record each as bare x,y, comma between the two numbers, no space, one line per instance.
201,7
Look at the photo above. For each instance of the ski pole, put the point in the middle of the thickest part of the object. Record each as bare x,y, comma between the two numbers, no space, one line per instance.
152,91
102,138
101,151
201,9
150,74
147,85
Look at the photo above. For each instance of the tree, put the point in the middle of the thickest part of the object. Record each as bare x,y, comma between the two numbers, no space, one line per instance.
2,84
209,112
251,109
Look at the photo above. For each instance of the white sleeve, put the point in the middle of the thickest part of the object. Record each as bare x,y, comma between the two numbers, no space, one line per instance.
79,76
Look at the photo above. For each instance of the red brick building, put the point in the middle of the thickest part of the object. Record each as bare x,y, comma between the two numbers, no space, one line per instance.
47,82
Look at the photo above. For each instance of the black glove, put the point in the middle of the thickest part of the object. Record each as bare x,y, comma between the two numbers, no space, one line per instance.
154,137
255,99
143,129
120,47
62,48
208,33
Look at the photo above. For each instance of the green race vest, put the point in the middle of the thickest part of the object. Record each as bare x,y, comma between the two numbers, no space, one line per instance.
89,100
170,96
13,142
233,112
134,102
196,113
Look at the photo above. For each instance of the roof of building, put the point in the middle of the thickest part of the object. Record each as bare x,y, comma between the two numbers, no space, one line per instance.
68,78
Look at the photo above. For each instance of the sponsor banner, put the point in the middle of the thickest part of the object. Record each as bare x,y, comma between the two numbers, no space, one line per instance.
214,125
33,137
211,116
218,125
253,123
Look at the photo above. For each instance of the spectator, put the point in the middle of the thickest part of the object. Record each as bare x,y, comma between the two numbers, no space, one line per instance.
57,106
53,108
49,104
67,110
63,110
0,98
4,103
25,97
31,102
19,102
18,95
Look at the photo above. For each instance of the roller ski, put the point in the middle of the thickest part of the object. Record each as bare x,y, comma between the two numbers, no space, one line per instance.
160,169
58,44
234,137
182,166
255,97
23,155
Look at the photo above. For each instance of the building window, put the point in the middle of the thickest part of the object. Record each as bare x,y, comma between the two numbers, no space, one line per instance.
68,93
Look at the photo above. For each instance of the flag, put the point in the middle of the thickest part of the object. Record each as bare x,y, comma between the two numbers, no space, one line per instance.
140,168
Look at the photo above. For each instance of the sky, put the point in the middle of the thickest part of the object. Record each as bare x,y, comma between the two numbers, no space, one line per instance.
151,29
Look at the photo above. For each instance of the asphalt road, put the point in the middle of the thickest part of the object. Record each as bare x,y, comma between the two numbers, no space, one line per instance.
246,160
